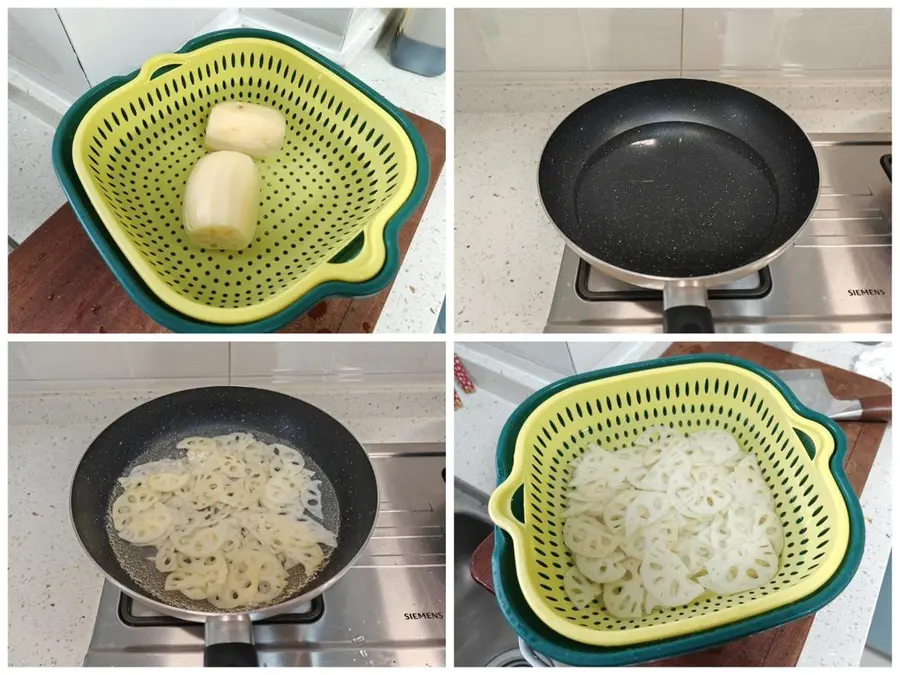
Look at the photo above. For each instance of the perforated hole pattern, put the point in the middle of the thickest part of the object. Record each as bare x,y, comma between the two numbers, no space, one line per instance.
687,404
335,171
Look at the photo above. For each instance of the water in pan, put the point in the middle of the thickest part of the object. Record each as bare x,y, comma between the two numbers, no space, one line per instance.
134,559
687,190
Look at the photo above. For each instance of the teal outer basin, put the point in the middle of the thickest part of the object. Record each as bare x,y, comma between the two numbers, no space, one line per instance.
551,644
132,282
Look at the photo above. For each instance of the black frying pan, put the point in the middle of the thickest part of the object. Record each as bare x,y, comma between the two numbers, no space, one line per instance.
679,185
151,431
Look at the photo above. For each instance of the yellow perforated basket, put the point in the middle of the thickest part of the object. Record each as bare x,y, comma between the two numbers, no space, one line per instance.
799,452
346,167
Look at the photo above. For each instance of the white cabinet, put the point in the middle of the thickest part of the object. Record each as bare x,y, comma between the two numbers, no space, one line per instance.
552,355
39,49
116,41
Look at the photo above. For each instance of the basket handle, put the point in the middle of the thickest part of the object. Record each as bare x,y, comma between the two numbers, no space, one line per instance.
820,436
500,508
359,267
154,63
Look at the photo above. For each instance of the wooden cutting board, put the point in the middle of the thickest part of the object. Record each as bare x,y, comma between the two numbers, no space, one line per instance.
780,646
58,283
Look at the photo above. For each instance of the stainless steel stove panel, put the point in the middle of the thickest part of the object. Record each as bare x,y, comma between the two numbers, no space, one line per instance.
836,278
388,610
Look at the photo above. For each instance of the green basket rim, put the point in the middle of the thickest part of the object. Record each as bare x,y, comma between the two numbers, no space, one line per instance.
564,650
126,275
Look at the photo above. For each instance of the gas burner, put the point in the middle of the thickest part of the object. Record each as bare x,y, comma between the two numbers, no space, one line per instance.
388,610
836,278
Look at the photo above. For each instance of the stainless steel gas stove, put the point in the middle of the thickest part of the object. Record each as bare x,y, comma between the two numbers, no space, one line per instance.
388,610
835,279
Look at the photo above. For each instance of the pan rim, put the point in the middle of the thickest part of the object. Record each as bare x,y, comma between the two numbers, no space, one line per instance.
661,282
200,616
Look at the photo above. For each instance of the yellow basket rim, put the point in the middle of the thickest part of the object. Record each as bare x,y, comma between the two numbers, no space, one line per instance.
366,265
504,519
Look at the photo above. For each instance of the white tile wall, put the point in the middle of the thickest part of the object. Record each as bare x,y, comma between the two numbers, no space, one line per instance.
96,362
567,39
470,52
112,41
552,355
787,39
249,359
632,39
589,355
673,40
39,48
113,360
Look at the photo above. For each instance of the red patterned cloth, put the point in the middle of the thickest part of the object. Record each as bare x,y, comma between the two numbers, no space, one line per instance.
462,376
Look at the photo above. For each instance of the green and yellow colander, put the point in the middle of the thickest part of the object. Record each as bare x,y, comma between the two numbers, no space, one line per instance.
346,167
796,449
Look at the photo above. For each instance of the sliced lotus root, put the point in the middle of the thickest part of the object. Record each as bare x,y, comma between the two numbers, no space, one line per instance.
715,475
645,509
234,444
653,435
576,508
588,536
580,590
205,541
665,576
665,530
671,446
749,488
741,568
241,584
593,493
283,489
213,569
651,603
601,570
209,490
148,526
197,444
630,457
636,474
694,551
289,456
720,446
665,471
309,557
601,467
131,502
624,598
166,560
699,500
614,512
167,482
311,498
728,529
770,523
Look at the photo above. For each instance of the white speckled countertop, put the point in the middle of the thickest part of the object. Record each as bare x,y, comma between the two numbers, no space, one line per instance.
507,253
839,632
53,586
419,289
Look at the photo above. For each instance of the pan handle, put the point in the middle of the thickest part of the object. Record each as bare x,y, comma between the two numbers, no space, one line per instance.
229,642
685,309
688,319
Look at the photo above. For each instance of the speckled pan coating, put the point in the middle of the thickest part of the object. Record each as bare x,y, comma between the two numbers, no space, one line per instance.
678,178
152,430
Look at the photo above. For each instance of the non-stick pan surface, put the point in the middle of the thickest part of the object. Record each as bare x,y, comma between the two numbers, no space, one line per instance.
151,431
678,178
